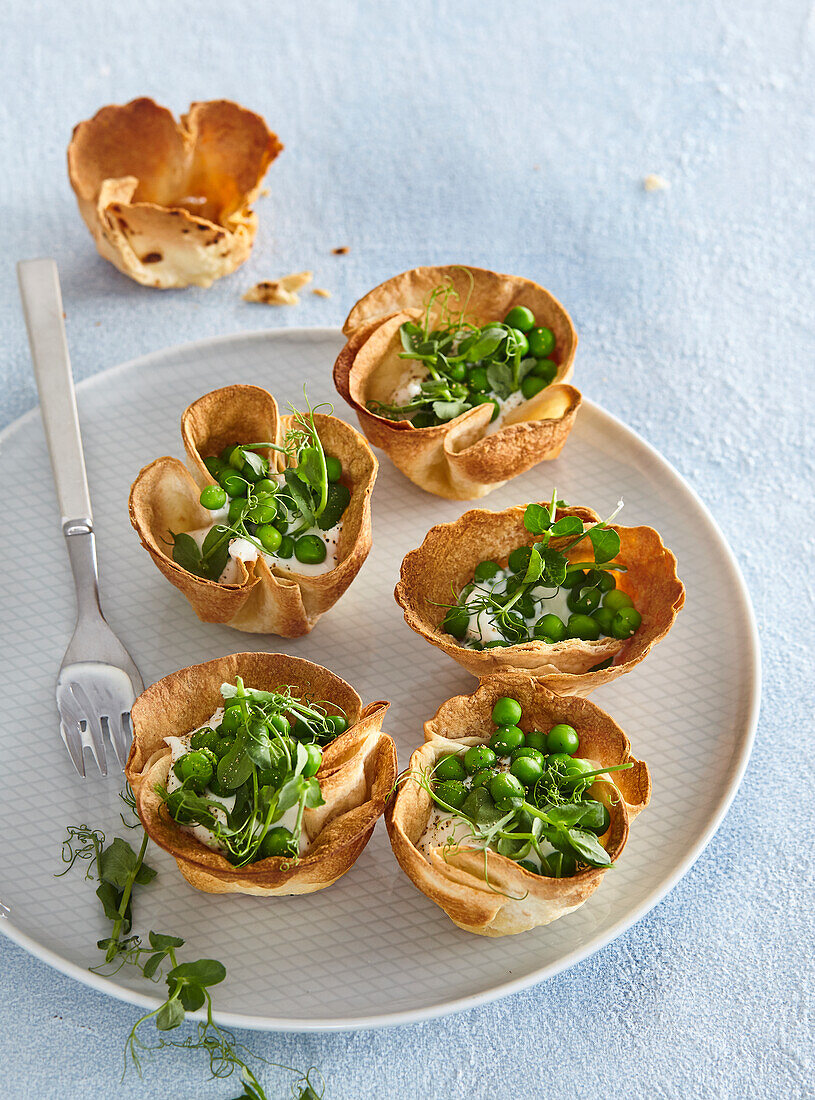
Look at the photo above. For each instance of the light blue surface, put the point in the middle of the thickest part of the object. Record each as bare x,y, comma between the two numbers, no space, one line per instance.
516,136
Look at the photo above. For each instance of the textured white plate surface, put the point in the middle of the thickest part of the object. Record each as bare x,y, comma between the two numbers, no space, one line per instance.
371,949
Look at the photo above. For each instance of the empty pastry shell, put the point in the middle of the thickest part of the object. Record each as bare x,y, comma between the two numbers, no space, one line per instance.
445,563
458,460
356,775
455,878
165,497
169,203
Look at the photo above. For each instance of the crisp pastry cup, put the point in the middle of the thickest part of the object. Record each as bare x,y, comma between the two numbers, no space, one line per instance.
457,460
356,775
165,497
169,203
445,563
484,892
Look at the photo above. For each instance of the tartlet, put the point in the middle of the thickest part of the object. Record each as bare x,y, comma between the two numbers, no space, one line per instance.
460,459
455,877
444,564
169,203
357,773
164,498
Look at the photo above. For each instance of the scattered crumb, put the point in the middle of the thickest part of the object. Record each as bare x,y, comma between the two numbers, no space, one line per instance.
265,191
279,292
341,251
653,182
321,292
97,323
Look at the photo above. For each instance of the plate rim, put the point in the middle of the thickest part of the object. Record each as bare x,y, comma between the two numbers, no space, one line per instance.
570,959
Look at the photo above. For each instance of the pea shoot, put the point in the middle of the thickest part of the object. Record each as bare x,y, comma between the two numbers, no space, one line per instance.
280,514
540,595
460,365
243,773
525,796
119,871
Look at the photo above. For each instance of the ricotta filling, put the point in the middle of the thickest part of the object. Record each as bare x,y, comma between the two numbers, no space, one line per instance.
241,549
481,623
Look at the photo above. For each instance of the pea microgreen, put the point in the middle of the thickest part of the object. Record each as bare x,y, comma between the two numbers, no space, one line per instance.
120,870
463,364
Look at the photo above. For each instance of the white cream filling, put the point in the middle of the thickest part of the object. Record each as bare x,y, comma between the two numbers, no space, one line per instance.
481,624
444,828
181,745
241,549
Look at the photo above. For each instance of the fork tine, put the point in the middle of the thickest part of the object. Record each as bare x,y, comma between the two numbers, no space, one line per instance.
93,727
72,737
119,730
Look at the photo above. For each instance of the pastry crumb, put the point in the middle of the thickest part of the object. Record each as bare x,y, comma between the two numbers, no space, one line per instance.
653,182
341,251
279,292
265,192
321,292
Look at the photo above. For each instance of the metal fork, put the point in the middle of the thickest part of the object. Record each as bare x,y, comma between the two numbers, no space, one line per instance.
98,680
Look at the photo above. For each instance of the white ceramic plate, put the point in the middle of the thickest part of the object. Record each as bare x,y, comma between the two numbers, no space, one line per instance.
371,950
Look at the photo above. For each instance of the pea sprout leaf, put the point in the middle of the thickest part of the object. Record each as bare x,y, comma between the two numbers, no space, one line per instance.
486,343
588,847
314,796
500,378
567,525
160,942
554,567
536,519
258,464
170,1015
535,567
118,861
215,552
187,553
606,543
449,410
300,496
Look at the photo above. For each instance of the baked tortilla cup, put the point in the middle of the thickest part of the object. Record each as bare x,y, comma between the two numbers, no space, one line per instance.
165,497
455,460
447,558
168,203
356,775
454,877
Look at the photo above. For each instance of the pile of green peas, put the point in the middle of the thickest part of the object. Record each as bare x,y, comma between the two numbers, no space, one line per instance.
528,755
197,769
237,482
533,341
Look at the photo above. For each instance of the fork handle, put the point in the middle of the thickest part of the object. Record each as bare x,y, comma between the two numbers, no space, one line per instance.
42,306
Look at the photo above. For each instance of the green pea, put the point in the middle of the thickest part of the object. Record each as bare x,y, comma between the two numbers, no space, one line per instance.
521,318
506,739
626,622
449,767
339,722
507,712
526,750
576,769
213,497
315,758
456,621
310,550
550,629
270,538
277,842
558,758
559,865
333,468
302,730
583,626
545,369
262,513
424,419
562,738
541,342
496,407
604,818
237,509
479,383
234,457
205,738
521,343
583,600
457,371
604,616
281,522
214,465
519,559
507,791
536,739
452,792
175,809
528,865
602,579
231,721
615,600
527,769
266,486
498,643
478,757
486,570
234,485
574,578
281,724
196,768
483,777
286,548
532,386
